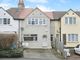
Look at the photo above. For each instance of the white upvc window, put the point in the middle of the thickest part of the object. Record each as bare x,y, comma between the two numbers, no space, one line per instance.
0,20
30,37
5,21
36,21
72,37
74,20
44,21
70,20
40,21
29,21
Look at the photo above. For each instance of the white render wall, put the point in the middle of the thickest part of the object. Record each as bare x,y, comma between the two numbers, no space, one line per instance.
40,30
12,27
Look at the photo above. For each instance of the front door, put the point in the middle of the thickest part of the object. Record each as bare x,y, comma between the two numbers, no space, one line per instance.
44,43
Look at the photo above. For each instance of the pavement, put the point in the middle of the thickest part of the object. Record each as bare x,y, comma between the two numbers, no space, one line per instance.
36,55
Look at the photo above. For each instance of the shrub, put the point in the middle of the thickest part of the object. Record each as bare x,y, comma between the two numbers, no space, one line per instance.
11,53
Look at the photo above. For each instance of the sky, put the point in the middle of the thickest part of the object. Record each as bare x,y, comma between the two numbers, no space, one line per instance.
45,5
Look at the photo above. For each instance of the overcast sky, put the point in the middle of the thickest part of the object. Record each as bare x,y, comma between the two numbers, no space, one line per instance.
48,5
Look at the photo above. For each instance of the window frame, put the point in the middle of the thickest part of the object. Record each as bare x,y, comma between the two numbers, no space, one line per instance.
72,37
5,21
36,21
33,36
1,21
70,20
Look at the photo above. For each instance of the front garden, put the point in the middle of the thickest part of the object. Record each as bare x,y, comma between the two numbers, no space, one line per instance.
9,47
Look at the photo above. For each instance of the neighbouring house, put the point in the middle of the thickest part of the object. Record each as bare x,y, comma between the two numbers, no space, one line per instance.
8,27
67,27
70,28
7,23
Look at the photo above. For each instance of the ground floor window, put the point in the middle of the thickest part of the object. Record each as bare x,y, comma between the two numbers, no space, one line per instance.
72,37
30,37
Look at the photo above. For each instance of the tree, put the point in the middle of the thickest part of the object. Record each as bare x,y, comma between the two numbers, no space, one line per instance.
7,40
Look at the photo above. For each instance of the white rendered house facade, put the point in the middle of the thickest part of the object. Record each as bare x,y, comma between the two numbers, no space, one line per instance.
36,30
7,23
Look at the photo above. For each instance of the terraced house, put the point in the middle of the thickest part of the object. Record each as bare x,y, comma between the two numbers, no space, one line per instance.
7,22
39,29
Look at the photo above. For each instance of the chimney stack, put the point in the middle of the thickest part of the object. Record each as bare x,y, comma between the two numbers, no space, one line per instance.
21,5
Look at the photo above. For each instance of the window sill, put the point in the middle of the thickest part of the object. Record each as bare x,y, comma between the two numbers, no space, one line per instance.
5,25
70,24
36,24
72,42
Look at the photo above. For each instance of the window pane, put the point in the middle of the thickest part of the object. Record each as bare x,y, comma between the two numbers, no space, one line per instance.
29,21
33,22
70,20
4,21
43,21
76,37
8,21
68,37
36,21
33,34
74,20
73,37
0,20
66,20
30,37
40,21
35,38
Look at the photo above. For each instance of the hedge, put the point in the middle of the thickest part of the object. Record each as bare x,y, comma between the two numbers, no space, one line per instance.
11,53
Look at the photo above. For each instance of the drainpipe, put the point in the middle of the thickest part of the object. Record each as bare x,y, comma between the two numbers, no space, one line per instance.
62,45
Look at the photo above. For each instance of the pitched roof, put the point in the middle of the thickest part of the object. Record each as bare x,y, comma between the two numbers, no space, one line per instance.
58,14
22,14
49,14
78,13
19,14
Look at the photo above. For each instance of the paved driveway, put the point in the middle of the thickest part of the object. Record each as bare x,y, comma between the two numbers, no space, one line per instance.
74,57
36,55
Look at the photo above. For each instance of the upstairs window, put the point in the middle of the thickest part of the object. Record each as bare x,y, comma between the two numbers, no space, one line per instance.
33,21
36,21
0,20
40,21
4,21
70,20
44,21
